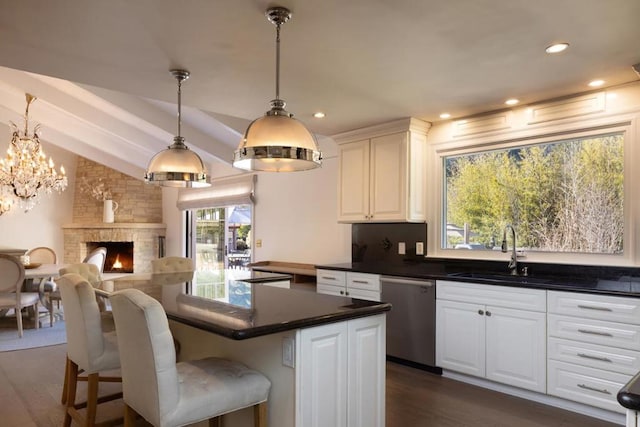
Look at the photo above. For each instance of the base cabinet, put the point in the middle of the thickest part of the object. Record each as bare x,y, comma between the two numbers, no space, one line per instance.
506,345
341,375
348,284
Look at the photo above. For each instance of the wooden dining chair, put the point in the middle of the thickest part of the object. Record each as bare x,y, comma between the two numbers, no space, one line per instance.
11,295
44,255
97,257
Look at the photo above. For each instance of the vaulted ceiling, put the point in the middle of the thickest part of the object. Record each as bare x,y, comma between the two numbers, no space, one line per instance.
101,68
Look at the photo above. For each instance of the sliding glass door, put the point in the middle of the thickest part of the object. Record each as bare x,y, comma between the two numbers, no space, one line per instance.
220,243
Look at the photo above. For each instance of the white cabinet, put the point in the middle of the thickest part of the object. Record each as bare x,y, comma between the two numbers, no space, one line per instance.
355,285
594,346
382,173
494,332
341,375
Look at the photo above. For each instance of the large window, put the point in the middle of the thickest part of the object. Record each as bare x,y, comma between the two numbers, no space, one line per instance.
561,196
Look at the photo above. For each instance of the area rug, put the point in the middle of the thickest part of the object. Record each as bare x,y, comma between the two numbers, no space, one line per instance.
32,338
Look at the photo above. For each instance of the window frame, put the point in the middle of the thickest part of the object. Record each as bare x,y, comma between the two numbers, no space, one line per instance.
507,140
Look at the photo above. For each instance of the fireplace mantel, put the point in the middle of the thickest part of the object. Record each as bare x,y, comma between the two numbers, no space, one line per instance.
102,225
146,238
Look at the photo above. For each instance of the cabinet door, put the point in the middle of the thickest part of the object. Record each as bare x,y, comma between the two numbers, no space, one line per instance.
323,376
389,178
516,348
339,291
353,182
366,366
460,337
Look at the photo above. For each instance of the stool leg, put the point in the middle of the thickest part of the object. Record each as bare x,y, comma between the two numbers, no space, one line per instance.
65,385
129,416
72,382
260,415
92,398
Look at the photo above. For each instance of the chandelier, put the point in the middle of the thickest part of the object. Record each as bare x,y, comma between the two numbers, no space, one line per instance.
25,172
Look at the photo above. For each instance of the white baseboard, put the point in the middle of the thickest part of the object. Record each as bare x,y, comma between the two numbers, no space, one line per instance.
545,399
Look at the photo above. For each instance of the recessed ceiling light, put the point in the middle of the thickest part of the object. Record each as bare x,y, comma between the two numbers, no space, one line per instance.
319,115
596,83
511,101
445,115
556,48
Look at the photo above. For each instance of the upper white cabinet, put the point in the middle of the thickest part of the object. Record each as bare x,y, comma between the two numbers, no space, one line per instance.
382,173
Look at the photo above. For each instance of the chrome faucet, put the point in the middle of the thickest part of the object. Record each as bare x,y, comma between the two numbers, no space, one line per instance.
513,262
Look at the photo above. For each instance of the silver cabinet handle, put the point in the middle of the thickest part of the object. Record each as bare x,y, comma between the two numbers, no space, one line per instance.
341,292
364,282
588,356
586,387
603,334
480,312
488,313
328,278
591,307
346,293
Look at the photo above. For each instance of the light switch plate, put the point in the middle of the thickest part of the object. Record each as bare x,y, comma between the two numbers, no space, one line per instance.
289,351
419,248
402,248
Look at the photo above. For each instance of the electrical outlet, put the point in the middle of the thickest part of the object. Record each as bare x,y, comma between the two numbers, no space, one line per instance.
402,248
259,243
289,351
419,248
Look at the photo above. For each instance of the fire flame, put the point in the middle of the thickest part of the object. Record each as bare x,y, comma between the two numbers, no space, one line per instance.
117,264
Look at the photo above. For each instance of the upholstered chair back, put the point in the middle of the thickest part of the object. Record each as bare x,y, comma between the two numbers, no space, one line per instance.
42,255
97,257
12,274
147,355
172,264
89,271
86,343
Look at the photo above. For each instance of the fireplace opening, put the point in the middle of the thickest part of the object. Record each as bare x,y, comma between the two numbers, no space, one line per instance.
119,256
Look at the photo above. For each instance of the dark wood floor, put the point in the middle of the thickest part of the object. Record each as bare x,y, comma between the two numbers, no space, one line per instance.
31,382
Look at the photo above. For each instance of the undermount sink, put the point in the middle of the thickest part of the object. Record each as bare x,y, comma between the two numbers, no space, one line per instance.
505,278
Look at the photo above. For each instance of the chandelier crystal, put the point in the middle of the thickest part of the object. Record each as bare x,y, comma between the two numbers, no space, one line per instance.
25,172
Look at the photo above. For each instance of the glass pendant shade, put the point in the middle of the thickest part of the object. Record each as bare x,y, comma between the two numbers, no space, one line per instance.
277,142
177,166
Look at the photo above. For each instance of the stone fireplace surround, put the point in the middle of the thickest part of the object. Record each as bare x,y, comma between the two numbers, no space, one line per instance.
145,237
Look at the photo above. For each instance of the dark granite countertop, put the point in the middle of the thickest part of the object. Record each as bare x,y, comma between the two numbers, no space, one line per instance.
629,395
624,281
253,308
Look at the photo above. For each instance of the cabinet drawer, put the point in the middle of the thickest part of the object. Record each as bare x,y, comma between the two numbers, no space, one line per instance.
363,294
498,296
595,356
331,277
367,282
594,331
600,307
585,385
322,288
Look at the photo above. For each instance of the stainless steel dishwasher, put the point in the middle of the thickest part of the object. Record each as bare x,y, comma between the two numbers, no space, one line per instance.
411,323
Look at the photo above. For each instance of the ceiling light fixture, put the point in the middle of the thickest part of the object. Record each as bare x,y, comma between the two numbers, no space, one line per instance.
25,172
596,83
445,115
557,48
276,142
511,101
319,115
177,166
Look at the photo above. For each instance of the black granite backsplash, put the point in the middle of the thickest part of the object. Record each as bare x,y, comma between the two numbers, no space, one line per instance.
376,242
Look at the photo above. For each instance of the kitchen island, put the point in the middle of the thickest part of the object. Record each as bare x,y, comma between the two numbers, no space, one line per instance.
324,355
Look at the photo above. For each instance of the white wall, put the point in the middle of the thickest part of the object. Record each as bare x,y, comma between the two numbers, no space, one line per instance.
42,225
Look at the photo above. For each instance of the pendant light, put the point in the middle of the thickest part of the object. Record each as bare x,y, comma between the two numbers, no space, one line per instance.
277,142
177,166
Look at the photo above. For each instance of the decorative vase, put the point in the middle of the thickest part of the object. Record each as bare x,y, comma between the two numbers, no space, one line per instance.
109,209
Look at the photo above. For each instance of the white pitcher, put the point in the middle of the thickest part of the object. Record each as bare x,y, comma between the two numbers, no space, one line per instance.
109,209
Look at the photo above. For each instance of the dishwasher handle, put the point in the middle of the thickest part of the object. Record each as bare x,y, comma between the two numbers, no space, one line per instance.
404,281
